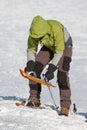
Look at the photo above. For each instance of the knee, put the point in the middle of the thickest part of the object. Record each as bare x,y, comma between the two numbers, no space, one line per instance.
62,80
38,68
66,63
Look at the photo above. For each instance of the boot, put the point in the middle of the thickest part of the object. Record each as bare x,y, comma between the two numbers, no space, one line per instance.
64,111
32,103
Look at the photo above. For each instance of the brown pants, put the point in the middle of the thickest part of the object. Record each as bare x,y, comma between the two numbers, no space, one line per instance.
44,56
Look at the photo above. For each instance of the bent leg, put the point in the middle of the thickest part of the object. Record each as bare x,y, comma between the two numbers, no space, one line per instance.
42,58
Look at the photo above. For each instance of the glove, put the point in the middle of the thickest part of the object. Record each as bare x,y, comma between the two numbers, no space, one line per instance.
50,72
30,66
34,68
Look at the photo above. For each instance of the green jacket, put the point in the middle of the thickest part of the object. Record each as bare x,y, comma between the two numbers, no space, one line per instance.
47,32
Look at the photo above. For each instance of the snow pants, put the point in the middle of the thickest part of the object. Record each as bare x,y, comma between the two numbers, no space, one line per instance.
44,57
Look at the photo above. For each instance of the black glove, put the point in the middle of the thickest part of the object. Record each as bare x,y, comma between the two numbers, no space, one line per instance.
50,72
34,68
30,66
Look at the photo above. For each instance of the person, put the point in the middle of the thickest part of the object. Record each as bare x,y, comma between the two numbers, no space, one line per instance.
56,52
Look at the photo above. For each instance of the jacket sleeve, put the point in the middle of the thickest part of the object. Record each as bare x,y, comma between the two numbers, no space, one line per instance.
32,44
56,58
31,55
32,47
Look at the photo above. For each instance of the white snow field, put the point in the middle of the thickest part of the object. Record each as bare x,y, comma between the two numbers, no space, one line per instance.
15,20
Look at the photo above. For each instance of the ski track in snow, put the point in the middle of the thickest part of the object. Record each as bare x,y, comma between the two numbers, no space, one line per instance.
15,19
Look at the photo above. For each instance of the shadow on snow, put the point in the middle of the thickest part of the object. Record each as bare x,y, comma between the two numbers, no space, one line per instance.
83,114
11,98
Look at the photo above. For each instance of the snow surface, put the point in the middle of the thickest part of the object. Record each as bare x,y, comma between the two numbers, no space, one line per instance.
15,20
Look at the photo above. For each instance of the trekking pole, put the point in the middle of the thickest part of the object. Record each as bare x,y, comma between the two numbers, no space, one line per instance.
45,79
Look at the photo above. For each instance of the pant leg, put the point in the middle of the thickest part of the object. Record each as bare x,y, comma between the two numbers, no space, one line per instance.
43,57
63,77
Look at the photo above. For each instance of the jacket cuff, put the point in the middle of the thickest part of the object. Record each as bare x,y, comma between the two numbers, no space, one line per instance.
56,58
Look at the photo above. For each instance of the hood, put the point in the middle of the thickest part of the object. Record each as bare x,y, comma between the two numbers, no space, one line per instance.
39,27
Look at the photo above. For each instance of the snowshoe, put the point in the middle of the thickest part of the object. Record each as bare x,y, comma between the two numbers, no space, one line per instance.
31,103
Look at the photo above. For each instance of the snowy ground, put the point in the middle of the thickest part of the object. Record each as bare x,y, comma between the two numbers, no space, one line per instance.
15,19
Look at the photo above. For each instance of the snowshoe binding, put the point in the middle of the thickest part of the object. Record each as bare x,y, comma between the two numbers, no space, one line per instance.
32,103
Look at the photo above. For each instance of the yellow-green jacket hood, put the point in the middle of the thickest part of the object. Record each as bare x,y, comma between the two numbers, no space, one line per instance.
39,27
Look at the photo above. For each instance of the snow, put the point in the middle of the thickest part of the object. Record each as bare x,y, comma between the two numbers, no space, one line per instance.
15,20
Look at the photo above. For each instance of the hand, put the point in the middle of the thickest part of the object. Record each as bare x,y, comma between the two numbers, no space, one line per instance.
50,72
30,66
34,67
